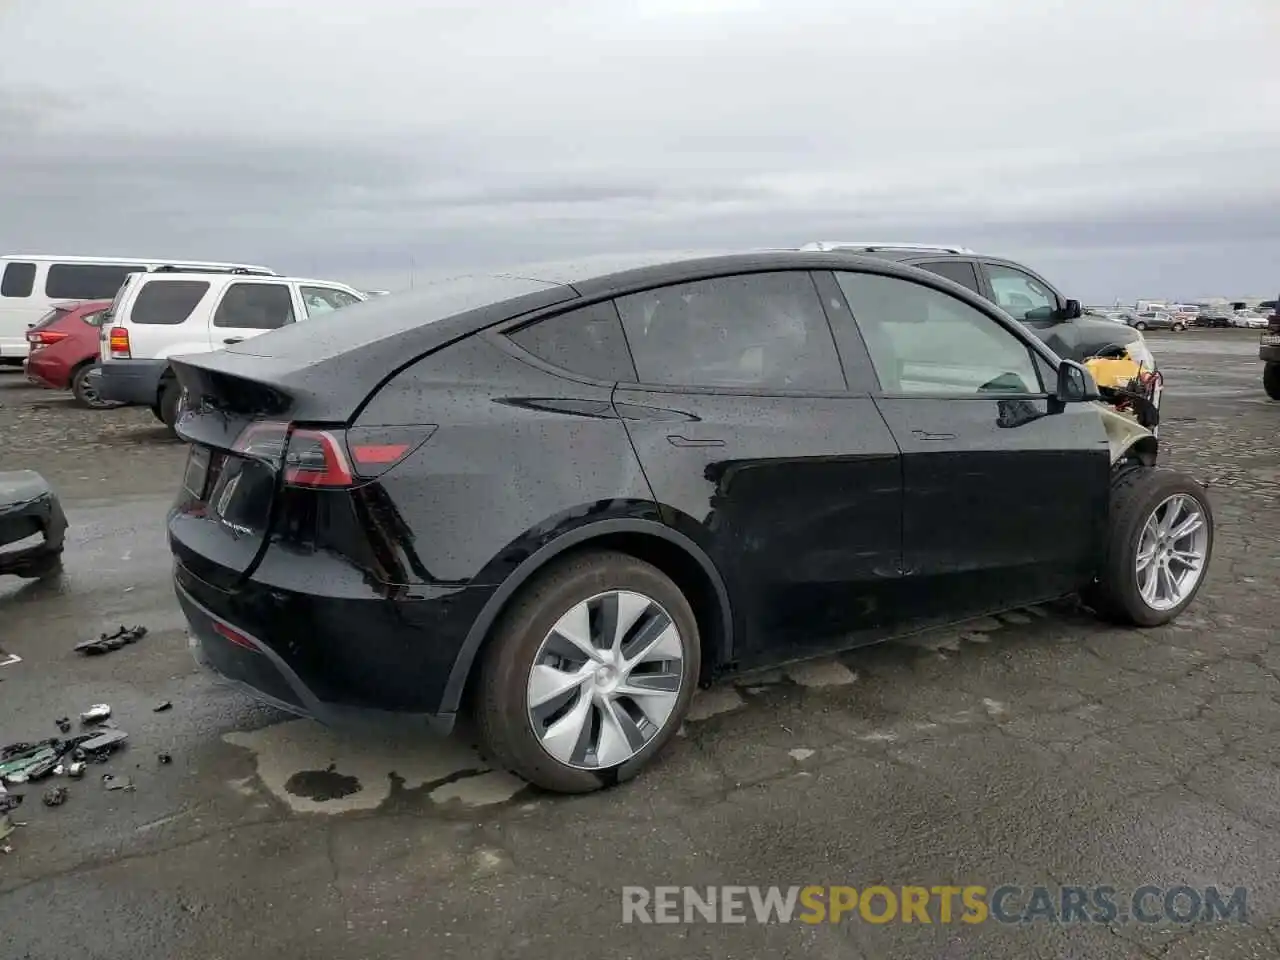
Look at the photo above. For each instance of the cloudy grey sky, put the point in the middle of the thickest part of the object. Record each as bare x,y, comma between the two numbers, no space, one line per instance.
1125,147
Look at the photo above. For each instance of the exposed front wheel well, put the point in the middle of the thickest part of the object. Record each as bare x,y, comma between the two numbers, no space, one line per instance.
684,570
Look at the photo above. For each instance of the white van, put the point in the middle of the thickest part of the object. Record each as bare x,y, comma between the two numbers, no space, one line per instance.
30,285
159,315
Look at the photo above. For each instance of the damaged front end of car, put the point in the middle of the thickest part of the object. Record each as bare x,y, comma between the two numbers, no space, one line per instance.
32,525
1129,382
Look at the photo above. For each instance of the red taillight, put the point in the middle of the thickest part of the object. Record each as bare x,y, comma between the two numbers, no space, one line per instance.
118,343
330,458
44,338
233,635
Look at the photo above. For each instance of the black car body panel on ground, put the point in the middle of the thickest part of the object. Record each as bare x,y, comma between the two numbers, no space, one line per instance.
29,509
367,507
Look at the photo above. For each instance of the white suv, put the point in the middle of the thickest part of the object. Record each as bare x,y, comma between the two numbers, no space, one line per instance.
156,316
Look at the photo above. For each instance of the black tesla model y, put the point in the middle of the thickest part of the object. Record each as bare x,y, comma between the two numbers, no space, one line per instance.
563,500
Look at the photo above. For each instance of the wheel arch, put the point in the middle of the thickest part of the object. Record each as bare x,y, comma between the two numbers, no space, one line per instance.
669,550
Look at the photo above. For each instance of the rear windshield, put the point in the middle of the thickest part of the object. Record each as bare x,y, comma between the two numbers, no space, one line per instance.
167,301
49,318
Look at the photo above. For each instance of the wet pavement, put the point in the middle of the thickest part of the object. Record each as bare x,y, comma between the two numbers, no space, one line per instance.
1037,748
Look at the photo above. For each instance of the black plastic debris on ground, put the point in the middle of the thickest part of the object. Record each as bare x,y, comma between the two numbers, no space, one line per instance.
162,707
64,724
112,641
116,783
165,758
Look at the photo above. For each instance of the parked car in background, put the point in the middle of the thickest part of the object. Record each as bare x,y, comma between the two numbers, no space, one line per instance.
1215,317
1269,353
1157,320
720,464
1250,320
64,351
30,284
155,316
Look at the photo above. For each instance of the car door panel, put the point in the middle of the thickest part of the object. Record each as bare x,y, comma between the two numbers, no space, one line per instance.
1004,489
754,446
796,499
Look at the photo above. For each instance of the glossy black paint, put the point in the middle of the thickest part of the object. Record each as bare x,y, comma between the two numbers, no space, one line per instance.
797,521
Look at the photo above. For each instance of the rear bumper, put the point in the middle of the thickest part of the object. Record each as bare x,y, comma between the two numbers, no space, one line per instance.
29,507
348,662
132,381
1269,352
13,350
52,375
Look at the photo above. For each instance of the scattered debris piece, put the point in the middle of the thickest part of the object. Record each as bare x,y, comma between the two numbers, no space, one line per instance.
7,827
37,761
9,801
116,783
162,707
76,770
64,724
96,714
55,797
112,641
98,748
165,758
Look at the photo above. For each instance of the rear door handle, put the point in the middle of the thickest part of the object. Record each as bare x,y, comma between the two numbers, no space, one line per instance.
233,340
926,435
678,441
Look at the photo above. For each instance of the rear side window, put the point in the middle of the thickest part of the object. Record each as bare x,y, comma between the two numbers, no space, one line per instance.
255,306
759,330
587,341
167,301
321,300
958,271
19,280
85,281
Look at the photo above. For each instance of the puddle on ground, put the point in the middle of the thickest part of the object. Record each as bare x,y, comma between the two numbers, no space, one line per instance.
321,785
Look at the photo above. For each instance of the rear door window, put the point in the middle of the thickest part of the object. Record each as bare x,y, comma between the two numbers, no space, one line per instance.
167,301
85,281
255,306
587,341
18,280
962,272
753,331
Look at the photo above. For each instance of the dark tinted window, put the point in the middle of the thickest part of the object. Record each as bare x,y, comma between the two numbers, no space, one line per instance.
753,330
85,281
167,301
255,306
19,280
588,341
959,271
924,341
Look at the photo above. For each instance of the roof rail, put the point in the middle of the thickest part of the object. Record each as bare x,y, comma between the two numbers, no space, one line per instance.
827,246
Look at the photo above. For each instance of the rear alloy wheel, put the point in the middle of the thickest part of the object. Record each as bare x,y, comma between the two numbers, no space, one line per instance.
589,674
1140,325
1159,545
1271,379
84,385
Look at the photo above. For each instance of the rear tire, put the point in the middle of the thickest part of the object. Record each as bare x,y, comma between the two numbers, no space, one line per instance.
1271,379
168,406
85,390
585,721
1141,498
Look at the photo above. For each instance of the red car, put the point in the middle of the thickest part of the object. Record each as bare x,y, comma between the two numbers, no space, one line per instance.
64,350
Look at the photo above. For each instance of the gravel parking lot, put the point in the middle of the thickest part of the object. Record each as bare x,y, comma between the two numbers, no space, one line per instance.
1035,749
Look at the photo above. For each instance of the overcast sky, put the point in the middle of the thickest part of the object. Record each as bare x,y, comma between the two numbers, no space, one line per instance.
1124,147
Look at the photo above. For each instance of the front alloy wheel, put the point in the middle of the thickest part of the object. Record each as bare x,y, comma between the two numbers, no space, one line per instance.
588,673
1159,544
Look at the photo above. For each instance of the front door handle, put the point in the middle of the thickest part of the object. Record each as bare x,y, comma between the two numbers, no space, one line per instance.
926,435
230,340
678,441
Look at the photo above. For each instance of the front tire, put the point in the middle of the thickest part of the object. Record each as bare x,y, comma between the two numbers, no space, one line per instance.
588,674
1271,379
1140,325
1159,544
